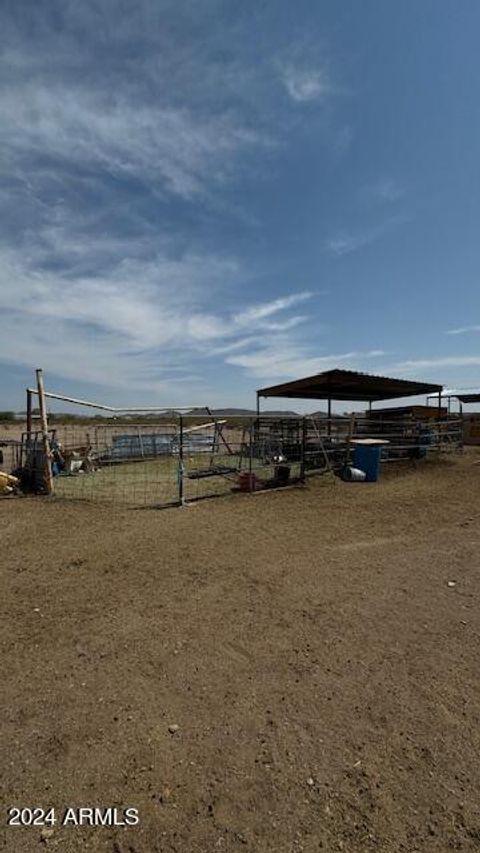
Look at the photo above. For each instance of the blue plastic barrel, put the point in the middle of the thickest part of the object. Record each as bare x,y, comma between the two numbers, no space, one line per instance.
367,458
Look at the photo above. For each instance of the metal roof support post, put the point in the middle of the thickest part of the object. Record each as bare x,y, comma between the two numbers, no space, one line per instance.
252,433
329,411
29,417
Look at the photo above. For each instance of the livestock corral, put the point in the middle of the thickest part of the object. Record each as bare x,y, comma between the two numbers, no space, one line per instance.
290,668
159,457
159,463
292,671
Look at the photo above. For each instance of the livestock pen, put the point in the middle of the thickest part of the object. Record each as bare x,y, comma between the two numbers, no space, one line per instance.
173,457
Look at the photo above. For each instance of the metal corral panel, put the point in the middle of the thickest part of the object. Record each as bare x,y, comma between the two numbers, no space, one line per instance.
199,443
418,413
471,429
136,446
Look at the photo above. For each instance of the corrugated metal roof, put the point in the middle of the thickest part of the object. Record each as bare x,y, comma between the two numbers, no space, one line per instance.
468,398
349,385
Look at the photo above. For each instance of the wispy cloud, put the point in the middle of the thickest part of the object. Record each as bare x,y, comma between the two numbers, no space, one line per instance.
171,148
266,309
385,190
281,359
440,362
346,242
149,318
122,141
463,330
307,84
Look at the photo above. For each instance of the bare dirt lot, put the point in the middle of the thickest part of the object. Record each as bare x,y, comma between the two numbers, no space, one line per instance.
322,672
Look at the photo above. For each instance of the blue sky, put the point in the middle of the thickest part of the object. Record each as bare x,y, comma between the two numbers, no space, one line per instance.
202,198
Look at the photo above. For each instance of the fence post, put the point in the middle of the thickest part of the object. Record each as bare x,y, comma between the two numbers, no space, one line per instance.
29,417
181,494
44,423
439,418
351,430
302,450
250,458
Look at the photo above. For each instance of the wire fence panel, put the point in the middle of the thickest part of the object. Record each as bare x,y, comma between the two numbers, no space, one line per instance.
130,464
136,483
330,442
10,454
115,464
213,460
162,462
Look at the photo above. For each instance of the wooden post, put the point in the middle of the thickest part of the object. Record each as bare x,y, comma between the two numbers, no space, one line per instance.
44,424
329,411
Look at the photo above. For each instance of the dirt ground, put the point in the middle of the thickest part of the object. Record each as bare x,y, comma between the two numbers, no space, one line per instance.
321,670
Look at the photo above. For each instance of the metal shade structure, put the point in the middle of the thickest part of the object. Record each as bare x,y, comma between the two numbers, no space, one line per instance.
468,398
349,385
462,397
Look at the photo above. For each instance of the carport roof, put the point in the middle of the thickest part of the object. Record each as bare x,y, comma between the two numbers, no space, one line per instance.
468,398
349,385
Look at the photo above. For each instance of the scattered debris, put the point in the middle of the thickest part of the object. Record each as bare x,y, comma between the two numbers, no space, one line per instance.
241,837
451,583
8,483
310,781
173,728
46,833
165,795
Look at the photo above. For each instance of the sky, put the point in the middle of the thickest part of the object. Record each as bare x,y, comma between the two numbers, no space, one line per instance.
201,198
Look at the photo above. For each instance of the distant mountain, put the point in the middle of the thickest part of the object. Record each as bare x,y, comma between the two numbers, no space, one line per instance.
171,414
279,413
